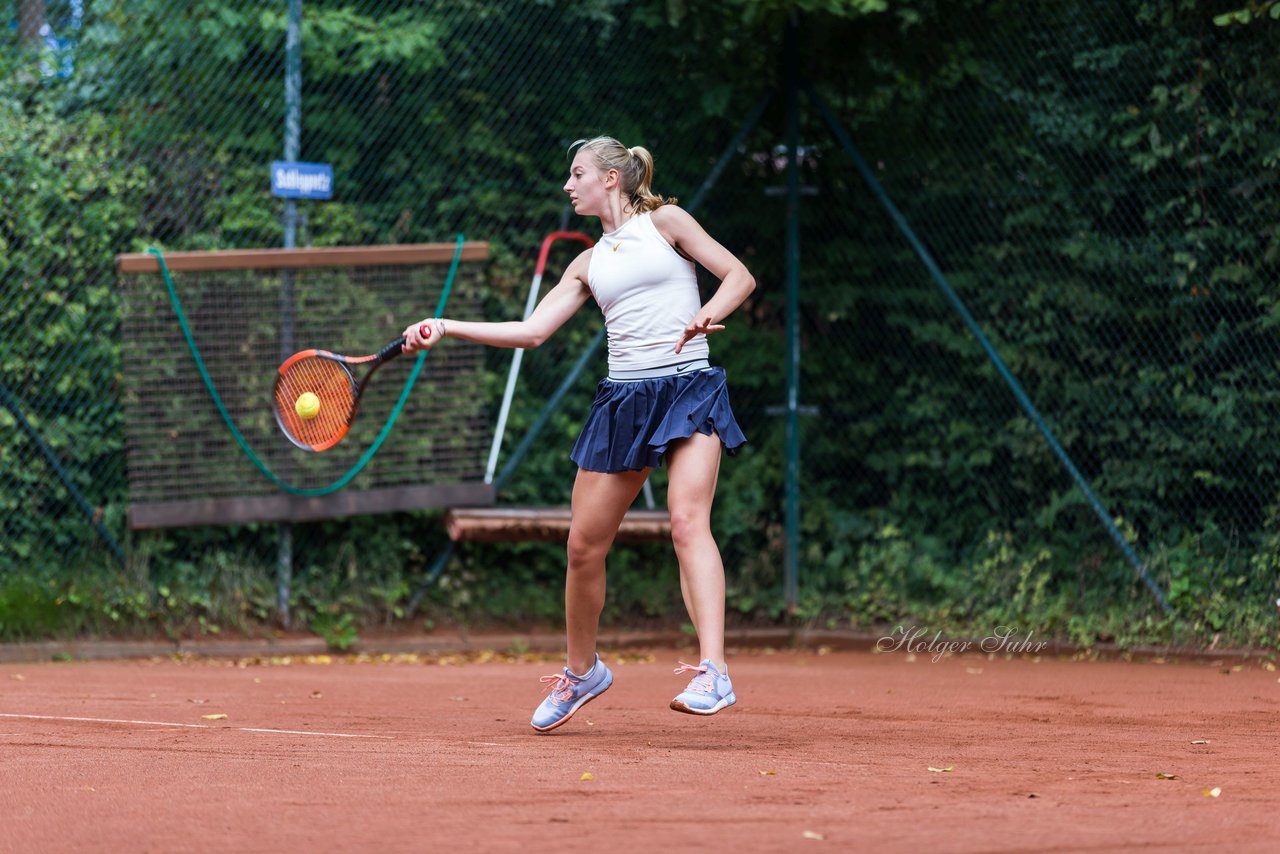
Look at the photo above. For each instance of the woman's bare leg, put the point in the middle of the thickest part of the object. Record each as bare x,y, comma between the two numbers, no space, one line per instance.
693,466
599,502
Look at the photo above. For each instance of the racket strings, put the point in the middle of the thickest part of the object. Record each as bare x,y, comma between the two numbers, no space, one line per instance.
332,384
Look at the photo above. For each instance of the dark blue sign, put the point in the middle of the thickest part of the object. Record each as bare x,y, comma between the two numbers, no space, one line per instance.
294,180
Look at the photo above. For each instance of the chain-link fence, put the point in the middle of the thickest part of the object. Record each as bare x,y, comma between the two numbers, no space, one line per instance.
1094,182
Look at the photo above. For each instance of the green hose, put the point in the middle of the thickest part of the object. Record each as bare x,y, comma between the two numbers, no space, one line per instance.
231,424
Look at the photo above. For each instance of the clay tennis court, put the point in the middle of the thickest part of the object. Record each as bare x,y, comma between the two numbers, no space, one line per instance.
826,750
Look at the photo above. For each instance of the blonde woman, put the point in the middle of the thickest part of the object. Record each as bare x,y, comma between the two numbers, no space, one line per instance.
662,401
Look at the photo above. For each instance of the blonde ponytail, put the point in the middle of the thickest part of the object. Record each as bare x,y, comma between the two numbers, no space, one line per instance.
635,170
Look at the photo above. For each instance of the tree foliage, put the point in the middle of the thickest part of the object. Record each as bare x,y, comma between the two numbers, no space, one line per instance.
1097,181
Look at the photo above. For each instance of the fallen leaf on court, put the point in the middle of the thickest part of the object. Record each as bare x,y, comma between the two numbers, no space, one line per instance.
1268,666
1200,741
587,775
198,702
769,773
316,695
1212,793
214,717
809,834
946,770
1164,776
974,670
19,677
591,723
458,699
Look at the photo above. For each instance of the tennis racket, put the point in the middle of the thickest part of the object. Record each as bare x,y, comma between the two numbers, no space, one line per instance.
329,377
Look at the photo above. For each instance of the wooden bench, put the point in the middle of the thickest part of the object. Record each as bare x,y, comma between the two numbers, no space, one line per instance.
545,524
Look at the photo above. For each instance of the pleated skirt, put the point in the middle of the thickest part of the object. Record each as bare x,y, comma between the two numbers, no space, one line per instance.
633,422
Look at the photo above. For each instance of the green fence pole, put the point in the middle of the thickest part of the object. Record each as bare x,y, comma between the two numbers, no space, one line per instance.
791,482
292,150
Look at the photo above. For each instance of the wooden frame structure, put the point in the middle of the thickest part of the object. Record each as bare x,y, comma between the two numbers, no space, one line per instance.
298,259
300,508
284,507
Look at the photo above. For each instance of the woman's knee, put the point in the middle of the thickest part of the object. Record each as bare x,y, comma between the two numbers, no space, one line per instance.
586,552
689,526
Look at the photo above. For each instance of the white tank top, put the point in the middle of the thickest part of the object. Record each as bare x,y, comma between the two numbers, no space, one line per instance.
648,294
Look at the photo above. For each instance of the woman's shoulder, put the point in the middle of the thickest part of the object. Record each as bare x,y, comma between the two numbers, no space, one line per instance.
670,215
673,223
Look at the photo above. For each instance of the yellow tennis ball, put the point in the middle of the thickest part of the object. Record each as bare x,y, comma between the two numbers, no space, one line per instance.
307,405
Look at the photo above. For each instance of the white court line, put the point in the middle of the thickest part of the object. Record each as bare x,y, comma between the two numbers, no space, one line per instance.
189,726
100,720
310,732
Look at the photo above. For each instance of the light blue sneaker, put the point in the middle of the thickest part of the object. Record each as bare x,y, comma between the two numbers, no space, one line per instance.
570,692
707,693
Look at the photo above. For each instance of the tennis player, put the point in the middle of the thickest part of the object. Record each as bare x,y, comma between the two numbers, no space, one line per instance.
663,400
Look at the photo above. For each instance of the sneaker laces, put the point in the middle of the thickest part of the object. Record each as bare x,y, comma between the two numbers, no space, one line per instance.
561,689
704,683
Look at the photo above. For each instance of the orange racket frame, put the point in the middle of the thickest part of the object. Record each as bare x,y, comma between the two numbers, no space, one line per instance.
328,376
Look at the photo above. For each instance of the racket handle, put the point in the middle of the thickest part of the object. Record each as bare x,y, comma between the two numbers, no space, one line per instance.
396,347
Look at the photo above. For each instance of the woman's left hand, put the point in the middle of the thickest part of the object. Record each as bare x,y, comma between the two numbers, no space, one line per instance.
697,327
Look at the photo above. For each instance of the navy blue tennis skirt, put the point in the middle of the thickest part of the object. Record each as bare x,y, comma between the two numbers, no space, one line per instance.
632,422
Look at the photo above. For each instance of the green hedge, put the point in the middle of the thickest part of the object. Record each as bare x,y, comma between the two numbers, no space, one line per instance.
1096,180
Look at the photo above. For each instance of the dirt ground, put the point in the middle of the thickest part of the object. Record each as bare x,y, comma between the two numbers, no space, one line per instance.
825,750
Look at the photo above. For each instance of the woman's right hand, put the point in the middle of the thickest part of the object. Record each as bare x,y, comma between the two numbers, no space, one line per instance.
423,335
